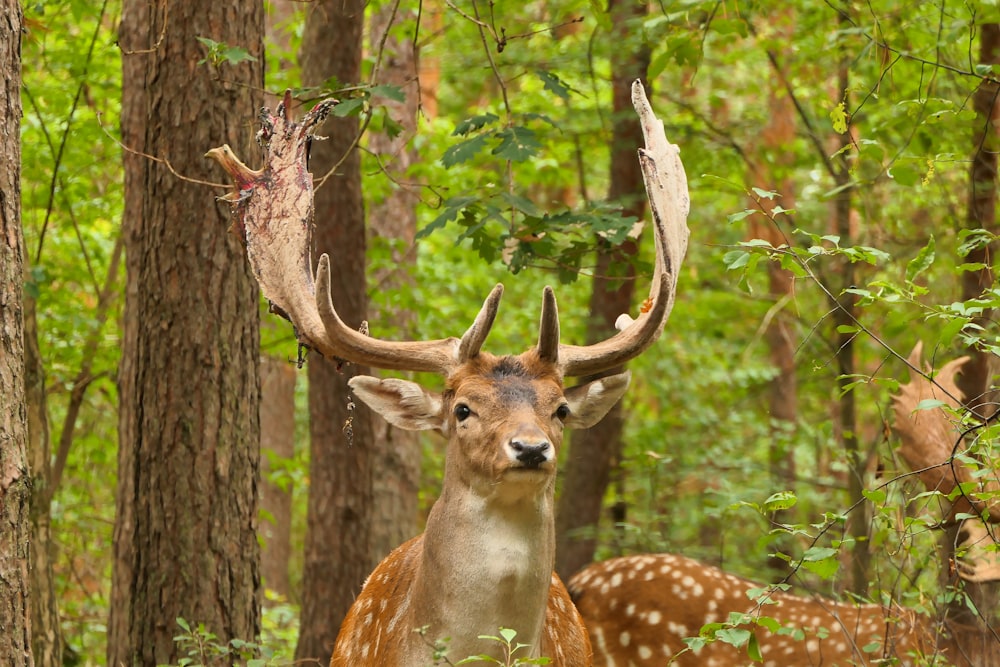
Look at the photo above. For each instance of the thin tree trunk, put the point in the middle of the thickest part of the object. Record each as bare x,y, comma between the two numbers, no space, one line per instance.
843,320
46,637
394,220
15,480
770,171
595,451
185,540
338,530
977,374
976,380
277,438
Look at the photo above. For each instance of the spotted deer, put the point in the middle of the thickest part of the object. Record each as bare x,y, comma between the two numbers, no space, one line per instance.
486,557
639,609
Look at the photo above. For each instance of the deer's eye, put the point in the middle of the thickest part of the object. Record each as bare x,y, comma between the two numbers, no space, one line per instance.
562,412
462,412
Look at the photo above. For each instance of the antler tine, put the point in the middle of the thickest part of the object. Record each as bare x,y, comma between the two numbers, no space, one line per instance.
475,336
343,342
669,203
548,329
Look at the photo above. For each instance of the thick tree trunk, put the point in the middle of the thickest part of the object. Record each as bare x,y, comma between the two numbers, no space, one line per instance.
15,481
185,540
338,530
394,221
277,438
595,451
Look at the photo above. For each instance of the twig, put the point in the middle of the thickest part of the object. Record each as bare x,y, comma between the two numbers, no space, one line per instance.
161,160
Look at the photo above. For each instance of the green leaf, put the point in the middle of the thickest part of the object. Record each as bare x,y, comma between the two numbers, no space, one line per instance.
508,634
930,404
753,649
349,107
780,501
463,150
740,215
813,554
921,262
237,54
876,496
821,560
733,636
517,144
452,207
951,329
475,123
553,84
389,92
184,624
905,175
839,118
522,204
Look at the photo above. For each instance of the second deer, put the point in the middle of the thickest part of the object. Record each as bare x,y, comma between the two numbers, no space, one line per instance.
639,609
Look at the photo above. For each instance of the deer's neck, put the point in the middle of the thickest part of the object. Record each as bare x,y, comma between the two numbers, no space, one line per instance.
487,563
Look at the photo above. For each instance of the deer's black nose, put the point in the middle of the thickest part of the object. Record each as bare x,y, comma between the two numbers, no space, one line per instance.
531,456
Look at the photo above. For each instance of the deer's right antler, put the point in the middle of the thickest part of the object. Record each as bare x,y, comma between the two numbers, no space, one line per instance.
274,210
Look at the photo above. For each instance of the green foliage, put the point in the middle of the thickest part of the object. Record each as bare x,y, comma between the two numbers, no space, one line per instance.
202,648
505,640
219,53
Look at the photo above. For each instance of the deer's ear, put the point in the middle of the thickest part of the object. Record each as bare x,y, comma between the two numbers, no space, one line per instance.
400,402
589,402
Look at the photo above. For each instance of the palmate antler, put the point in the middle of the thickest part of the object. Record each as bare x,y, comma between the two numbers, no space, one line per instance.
274,210
929,438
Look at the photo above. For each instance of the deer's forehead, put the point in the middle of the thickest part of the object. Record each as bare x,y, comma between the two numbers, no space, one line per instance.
506,380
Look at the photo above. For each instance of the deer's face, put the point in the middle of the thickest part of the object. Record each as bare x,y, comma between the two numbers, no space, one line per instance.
503,416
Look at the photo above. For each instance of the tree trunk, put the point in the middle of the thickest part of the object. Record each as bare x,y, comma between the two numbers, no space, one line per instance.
338,529
277,438
15,481
595,451
976,380
396,474
977,374
770,171
843,321
185,541
46,637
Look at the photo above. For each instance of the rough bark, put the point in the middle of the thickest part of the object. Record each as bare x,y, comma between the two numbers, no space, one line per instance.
46,637
977,376
595,451
185,532
396,472
15,483
277,438
338,529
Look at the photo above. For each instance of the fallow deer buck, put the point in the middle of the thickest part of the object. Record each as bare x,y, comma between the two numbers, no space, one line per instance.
485,560
638,609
